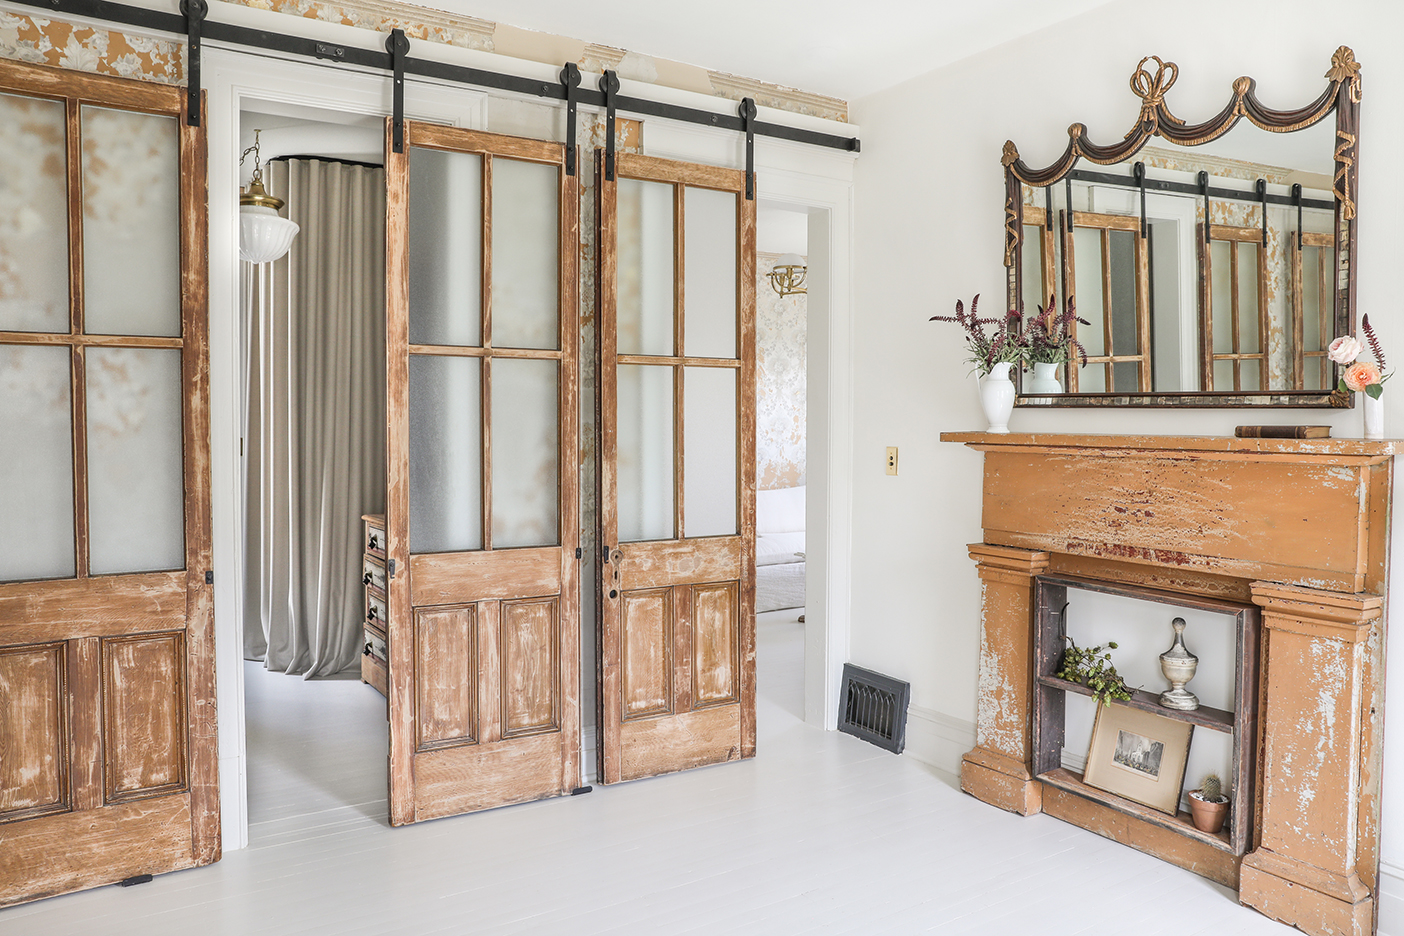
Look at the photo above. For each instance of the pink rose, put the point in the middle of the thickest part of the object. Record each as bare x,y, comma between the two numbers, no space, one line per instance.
1360,375
1345,349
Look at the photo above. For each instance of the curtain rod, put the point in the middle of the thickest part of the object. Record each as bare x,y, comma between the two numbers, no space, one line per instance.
195,27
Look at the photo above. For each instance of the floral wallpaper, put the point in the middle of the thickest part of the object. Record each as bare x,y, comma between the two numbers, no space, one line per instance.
780,383
44,41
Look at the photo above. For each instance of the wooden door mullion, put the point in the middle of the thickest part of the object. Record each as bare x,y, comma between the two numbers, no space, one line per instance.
485,369
1068,270
679,352
1235,342
1107,327
78,403
1143,328
1263,381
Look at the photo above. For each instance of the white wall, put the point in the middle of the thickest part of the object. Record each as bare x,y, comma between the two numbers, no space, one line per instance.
929,196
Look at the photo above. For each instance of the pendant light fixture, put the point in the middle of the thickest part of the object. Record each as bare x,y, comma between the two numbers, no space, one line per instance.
264,236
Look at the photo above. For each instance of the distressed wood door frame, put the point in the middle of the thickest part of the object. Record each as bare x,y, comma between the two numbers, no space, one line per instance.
473,633
135,768
691,600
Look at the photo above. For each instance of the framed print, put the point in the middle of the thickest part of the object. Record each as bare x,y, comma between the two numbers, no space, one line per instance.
1139,755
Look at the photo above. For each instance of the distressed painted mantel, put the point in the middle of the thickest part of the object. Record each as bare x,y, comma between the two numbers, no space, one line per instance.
1299,528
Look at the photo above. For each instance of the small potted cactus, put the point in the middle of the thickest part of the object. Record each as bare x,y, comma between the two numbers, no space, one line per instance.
1208,805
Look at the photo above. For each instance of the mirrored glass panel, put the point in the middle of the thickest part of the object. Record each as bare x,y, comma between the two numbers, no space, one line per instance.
709,451
1121,252
131,223
709,273
525,453
1031,272
445,441
36,499
1087,292
136,479
34,204
645,267
445,247
644,471
525,247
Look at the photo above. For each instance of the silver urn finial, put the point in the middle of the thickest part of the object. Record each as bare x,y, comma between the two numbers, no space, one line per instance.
1178,665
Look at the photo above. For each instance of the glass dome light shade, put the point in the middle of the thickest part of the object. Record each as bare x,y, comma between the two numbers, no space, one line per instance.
263,235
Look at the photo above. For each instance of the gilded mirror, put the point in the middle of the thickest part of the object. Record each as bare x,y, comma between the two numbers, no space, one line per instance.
1213,271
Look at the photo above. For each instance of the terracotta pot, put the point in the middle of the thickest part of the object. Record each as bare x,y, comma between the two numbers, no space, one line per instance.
1207,817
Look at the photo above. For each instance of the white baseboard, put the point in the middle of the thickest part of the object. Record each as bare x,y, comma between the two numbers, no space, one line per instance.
1391,899
938,739
590,775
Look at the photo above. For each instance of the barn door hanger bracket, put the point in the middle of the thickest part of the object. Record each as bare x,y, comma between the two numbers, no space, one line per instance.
1262,201
570,80
195,12
1204,187
1140,172
609,86
1297,200
397,44
748,117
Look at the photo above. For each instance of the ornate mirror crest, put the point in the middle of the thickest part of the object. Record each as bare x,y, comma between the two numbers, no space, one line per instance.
1151,82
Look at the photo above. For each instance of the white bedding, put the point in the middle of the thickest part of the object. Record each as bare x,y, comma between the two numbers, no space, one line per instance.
780,586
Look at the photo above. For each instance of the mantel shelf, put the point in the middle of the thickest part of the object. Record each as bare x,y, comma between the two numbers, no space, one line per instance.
1382,448
1203,717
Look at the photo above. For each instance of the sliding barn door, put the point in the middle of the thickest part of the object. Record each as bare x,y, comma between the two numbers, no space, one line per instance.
677,468
482,511
108,764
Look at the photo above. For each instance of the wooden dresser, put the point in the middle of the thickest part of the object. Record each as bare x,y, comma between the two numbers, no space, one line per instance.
375,666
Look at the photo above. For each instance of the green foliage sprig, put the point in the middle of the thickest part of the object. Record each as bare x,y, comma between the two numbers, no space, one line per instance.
1092,667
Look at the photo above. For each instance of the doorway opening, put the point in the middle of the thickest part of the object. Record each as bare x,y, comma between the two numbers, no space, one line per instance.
313,462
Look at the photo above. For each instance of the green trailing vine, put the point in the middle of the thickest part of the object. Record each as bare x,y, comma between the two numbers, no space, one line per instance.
1092,667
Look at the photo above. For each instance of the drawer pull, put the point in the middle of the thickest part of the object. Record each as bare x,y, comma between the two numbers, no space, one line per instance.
374,542
367,651
367,579
370,615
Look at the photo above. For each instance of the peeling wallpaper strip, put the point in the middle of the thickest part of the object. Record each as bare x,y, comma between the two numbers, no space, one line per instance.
42,41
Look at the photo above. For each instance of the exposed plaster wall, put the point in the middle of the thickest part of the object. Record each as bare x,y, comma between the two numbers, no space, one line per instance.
43,41
929,193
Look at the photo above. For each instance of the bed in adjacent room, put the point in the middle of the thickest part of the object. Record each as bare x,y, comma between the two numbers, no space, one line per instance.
780,549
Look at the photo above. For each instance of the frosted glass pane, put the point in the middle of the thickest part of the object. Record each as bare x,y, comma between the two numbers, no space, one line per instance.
1031,268
37,496
644,467
136,472
446,454
1126,376
644,287
1087,273
34,206
709,451
1223,375
709,273
1221,299
1248,298
525,453
525,244
445,247
131,223
1092,379
1250,375
1122,252
1310,287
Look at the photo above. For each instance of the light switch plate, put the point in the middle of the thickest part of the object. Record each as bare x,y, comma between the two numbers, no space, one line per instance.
892,459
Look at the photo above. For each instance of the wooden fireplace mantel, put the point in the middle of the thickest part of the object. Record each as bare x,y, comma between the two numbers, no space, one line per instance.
1299,528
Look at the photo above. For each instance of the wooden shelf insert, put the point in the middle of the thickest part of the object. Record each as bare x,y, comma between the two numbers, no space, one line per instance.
1203,717
1180,823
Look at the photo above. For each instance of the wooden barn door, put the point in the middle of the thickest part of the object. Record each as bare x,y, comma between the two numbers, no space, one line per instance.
677,468
108,761
482,511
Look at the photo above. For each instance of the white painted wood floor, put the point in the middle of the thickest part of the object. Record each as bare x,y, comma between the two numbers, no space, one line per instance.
821,833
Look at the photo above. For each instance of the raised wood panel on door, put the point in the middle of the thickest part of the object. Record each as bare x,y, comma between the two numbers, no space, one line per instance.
484,644
108,753
677,614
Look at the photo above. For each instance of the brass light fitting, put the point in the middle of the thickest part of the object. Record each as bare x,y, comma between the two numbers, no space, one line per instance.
788,276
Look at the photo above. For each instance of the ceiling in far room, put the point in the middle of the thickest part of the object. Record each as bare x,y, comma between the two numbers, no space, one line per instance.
832,47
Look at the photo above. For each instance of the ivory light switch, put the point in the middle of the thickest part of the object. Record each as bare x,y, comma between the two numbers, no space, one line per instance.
892,459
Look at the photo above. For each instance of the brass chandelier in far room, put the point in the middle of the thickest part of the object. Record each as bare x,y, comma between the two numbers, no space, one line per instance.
788,275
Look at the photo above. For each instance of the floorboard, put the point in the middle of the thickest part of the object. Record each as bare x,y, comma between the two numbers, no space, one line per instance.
820,834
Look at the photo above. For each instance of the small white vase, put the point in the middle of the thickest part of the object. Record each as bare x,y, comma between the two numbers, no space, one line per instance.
1374,415
1045,379
997,397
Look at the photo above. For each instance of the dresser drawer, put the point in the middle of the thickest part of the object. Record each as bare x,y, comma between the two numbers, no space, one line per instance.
375,539
375,645
376,614
373,574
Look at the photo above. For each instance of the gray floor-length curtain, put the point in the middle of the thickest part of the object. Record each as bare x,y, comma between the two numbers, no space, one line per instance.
315,422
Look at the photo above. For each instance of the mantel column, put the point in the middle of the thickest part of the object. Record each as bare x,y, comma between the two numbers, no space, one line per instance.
999,769
1314,866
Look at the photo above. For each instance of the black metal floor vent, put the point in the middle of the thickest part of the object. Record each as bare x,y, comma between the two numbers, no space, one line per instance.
875,708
